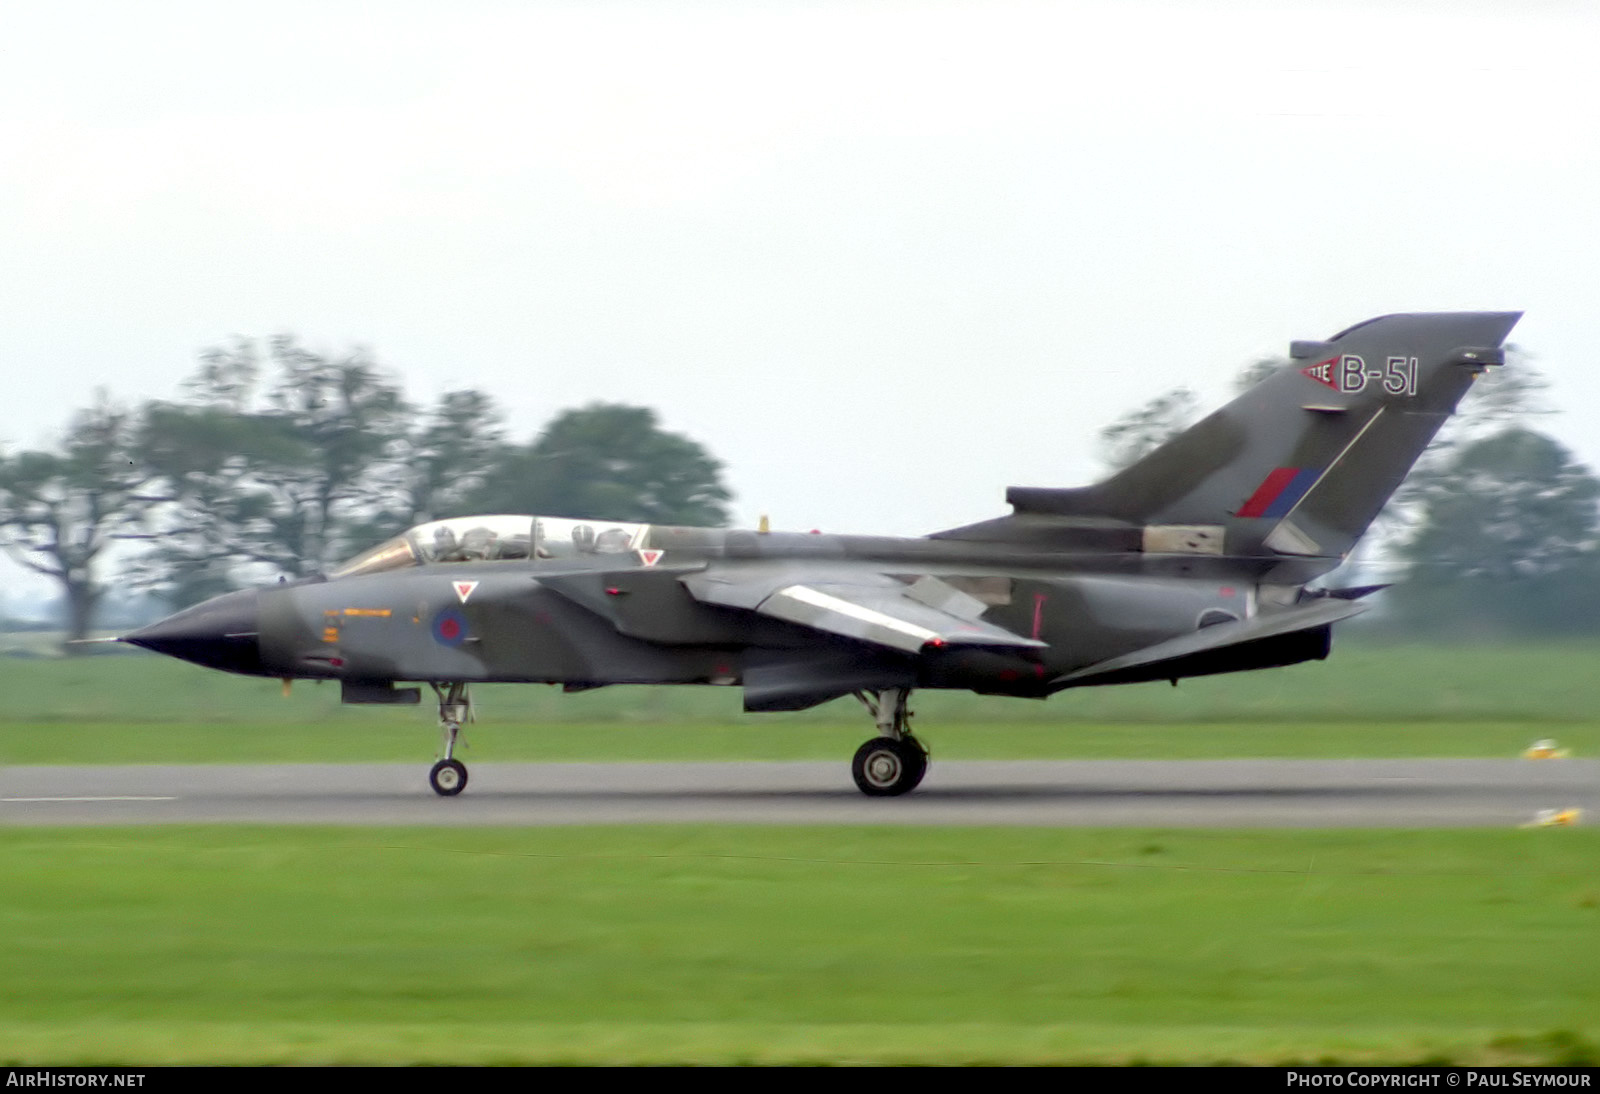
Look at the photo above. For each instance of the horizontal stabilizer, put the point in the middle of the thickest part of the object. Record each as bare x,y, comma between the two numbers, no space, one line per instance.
1302,617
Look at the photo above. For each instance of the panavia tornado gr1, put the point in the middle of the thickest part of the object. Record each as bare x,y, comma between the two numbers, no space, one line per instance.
1200,558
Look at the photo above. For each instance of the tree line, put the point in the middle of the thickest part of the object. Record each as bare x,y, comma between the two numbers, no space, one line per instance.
279,460
1495,532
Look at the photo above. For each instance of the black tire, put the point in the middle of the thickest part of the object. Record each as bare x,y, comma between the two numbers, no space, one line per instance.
919,760
448,778
886,768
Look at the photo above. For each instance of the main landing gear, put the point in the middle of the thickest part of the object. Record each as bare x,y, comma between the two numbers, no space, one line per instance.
449,776
890,764
894,761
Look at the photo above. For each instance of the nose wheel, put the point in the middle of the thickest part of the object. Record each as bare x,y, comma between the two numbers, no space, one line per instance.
448,777
894,762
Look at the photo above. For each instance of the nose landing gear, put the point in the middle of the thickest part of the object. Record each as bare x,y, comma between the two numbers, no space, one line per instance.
449,776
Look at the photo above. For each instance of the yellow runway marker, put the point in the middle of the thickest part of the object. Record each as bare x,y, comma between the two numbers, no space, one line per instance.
1555,818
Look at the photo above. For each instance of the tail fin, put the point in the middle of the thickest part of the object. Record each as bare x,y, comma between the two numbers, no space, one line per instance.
1301,463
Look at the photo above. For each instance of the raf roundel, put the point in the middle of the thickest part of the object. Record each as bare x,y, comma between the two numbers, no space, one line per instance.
449,628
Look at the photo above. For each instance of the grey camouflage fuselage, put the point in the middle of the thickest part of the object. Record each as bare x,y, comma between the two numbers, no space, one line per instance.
1196,559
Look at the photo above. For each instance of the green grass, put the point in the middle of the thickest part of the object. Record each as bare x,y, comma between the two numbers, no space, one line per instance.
717,945
1369,699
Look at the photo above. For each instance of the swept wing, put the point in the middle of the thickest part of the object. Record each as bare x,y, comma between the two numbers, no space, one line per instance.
866,606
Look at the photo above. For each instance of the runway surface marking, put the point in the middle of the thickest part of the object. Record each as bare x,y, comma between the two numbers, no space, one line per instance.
102,798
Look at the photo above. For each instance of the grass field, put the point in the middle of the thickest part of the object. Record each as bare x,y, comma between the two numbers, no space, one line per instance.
715,945
719,945
1369,699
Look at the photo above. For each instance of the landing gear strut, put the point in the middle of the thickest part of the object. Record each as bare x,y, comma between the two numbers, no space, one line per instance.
449,776
893,762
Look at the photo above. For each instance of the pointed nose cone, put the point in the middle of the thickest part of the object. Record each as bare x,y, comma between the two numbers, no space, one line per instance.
220,634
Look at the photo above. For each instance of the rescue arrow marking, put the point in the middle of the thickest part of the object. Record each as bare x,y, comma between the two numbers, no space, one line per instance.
650,558
1322,373
464,589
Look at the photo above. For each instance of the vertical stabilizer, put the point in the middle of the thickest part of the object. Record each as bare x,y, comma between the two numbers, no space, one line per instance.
1301,463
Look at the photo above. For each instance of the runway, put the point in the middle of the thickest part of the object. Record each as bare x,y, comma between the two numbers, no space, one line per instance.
1089,793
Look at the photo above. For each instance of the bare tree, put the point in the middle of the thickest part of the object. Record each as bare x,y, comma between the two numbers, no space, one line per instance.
60,511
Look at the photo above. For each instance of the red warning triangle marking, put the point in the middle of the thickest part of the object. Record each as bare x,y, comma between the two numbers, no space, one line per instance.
464,589
650,558
1322,372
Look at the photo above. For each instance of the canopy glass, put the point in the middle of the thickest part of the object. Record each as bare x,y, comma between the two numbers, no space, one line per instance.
492,538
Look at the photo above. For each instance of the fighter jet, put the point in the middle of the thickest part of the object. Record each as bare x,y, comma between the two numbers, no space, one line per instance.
1203,557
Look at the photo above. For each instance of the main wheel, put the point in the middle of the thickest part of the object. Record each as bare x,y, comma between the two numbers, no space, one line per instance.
919,759
448,778
885,767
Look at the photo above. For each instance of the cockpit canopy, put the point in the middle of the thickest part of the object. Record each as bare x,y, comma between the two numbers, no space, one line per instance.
486,539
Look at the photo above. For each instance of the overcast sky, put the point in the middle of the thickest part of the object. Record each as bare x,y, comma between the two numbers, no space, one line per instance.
882,259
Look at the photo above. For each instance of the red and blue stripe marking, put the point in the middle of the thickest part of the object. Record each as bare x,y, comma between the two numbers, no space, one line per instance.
1279,492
